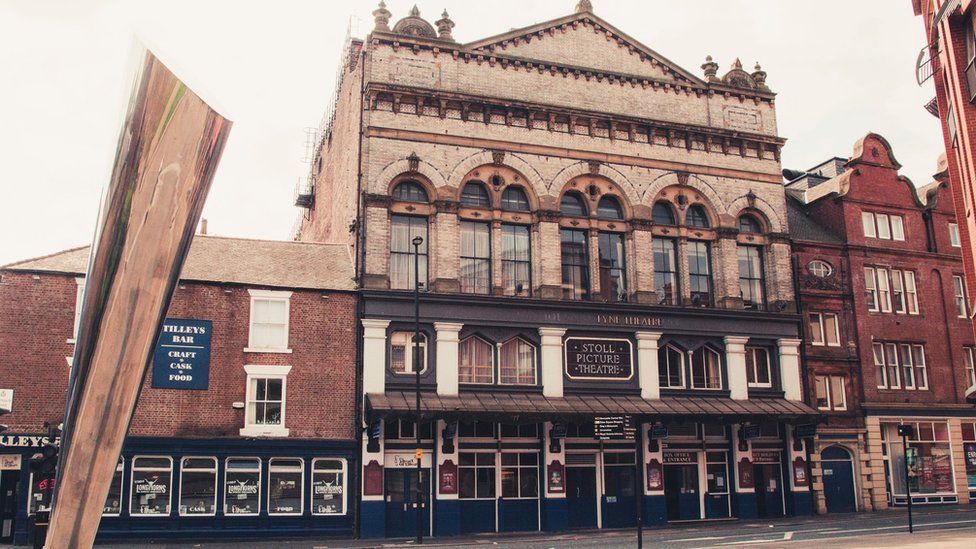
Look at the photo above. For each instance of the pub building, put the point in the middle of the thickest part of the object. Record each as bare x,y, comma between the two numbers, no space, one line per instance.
595,246
245,424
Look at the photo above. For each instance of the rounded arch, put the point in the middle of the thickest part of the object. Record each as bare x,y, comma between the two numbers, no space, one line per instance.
609,208
627,188
428,175
530,176
594,188
681,198
836,452
572,203
672,179
474,193
412,177
763,210
753,222
663,213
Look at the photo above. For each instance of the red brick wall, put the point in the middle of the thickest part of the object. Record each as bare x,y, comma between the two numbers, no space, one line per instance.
36,319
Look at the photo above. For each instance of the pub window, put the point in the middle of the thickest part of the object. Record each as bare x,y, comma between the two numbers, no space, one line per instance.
269,321
475,257
751,276
824,329
572,204
831,393
520,475
242,486
613,285
113,503
520,430
699,273
609,208
516,260
663,214
476,475
758,370
266,390
749,225
476,429
285,487
706,369
959,292
328,486
404,430
969,355
580,430
665,270
410,191
39,496
687,430
403,229
954,235
671,367
768,429
714,430
475,195
575,264
514,200
516,362
618,474
152,480
696,217
198,486
402,352
475,361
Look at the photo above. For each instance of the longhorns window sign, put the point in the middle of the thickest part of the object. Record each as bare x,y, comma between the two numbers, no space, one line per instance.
601,359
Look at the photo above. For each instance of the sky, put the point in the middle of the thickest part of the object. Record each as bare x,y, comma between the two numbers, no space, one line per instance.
841,68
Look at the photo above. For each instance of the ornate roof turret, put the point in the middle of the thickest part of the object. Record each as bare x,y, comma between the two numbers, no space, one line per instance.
759,77
444,26
382,17
711,69
584,5
739,78
414,25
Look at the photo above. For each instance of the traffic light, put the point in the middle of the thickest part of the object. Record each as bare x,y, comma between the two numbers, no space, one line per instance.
373,441
46,461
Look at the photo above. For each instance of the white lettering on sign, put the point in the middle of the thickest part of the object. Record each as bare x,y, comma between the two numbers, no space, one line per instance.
23,441
10,462
598,359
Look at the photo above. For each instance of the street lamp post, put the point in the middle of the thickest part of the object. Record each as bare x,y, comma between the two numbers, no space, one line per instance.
906,431
419,454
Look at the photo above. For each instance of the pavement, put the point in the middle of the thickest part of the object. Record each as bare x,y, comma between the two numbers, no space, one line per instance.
949,527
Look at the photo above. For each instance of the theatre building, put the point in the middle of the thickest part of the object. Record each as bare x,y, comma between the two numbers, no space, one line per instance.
245,422
603,237
888,339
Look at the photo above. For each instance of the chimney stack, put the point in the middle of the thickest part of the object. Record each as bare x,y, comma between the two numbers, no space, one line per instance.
203,226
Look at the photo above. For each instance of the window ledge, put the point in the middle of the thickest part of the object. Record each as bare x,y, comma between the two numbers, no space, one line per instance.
256,350
264,431
71,341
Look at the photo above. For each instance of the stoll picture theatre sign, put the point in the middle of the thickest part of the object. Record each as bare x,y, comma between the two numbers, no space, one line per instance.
182,357
599,359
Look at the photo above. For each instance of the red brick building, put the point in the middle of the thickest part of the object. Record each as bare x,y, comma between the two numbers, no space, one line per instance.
888,339
949,60
261,432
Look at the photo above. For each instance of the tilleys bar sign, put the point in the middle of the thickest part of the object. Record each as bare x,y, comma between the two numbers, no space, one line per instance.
599,359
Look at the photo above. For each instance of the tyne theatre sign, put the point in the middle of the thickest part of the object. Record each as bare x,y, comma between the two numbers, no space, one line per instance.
599,359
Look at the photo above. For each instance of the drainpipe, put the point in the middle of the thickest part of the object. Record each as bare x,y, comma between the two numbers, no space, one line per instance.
360,262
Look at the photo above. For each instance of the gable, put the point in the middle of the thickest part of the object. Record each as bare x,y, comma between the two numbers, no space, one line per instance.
584,40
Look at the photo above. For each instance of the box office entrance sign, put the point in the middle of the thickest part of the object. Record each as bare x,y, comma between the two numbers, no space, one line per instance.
599,359
182,356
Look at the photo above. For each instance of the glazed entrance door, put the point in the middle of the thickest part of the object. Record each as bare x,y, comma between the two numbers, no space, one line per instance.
8,504
681,492
401,503
581,496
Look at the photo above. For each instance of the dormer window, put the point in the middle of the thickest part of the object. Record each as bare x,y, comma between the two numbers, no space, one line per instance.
515,200
410,191
663,214
475,195
572,204
609,208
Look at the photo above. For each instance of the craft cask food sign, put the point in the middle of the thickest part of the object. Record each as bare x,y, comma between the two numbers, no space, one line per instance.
182,356
599,359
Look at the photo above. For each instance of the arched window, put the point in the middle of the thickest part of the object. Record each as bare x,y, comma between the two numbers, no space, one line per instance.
475,195
820,268
671,367
696,217
572,204
609,208
514,200
402,352
663,214
516,362
706,369
749,224
410,191
475,361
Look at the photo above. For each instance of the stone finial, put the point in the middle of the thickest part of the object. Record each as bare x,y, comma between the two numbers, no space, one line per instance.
584,5
711,69
382,17
759,76
414,11
444,26
737,64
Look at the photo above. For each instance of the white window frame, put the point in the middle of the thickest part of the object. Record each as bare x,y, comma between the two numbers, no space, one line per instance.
681,368
884,289
79,302
911,292
871,287
829,384
501,468
535,365
880,364
897,227
132,477
492,361
867,224
821,321
959,293
884,226
345,485
179,503
954,239
260,472
255,371
755,367
301,482
825,269
691,364
969,357
408,369
922,385
269,295
909,368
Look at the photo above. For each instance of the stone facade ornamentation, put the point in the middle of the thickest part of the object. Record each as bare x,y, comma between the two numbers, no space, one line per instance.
382,18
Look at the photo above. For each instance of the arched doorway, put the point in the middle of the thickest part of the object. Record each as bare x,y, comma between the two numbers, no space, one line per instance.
838,480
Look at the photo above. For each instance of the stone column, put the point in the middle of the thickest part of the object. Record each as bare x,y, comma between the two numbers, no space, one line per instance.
958,458
875,481
735,358
555,511
447,357
650,383
789,368
552,361
547,254
374,355
447,519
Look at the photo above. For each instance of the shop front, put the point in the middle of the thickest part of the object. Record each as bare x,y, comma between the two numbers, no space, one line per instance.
934,472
